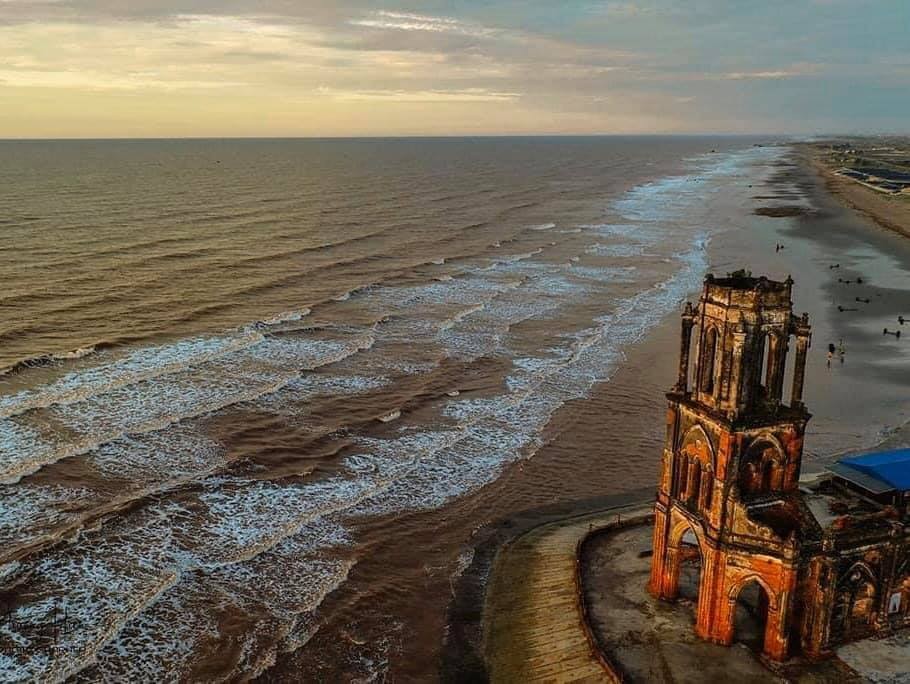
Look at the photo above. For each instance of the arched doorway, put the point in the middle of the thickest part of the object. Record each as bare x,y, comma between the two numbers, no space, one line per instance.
690,563
750,615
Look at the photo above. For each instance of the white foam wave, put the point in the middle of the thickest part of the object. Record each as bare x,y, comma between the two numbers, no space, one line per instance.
161,401
75,354
135,367
278,319
123,613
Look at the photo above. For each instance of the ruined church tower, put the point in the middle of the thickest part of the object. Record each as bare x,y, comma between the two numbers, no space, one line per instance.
731,462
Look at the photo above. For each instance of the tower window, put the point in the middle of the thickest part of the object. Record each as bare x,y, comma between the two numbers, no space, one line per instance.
707,361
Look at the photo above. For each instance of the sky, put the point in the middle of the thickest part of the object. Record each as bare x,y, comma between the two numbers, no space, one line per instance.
209,68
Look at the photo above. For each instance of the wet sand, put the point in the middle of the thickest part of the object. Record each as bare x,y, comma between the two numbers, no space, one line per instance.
889,211
860,401
857,404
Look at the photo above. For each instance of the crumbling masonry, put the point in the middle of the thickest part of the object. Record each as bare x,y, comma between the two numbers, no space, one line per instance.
729,495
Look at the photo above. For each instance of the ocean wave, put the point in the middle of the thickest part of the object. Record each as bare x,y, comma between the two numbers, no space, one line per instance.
492,433
278,319
137,366
145,623
291,582
51,359
159,401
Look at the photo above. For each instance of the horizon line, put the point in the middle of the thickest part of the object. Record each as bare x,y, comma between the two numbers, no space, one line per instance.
454,136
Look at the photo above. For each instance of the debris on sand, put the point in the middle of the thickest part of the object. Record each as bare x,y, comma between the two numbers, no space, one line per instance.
783,212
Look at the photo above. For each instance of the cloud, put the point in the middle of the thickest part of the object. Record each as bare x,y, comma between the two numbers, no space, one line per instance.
607,65
759,75
623,9
95,80
401,21
465,95
793,71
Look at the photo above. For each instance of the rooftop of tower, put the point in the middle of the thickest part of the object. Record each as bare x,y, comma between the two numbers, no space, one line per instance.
741,290
744,280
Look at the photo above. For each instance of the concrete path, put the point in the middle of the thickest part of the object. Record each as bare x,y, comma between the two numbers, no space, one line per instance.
533,626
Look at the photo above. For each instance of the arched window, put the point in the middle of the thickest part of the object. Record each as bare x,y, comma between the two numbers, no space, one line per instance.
707,361
762,468
855,605
766,350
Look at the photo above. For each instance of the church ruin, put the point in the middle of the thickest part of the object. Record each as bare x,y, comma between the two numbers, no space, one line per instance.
824,564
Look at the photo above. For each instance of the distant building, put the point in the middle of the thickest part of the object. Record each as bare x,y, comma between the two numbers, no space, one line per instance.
822,566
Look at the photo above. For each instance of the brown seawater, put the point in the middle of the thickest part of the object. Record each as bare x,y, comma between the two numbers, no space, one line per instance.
257,394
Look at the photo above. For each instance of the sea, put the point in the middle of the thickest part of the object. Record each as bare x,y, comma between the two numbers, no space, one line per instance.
257,395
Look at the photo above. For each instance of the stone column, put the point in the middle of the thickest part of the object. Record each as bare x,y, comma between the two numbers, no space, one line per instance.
803,339
776,646
713,606
688,321
736,370
657,582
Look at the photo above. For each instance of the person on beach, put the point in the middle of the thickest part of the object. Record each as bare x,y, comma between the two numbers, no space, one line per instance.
831,350
841,350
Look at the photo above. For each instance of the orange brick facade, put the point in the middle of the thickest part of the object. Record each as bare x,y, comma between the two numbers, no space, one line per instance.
730,482
729,439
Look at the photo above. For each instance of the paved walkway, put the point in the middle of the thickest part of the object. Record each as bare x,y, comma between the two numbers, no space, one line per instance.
654,641
533,628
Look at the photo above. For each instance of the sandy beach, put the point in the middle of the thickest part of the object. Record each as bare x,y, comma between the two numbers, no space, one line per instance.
858,402
889,211
331,469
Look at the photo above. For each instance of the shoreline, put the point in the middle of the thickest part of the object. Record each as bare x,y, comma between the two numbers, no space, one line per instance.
463,657
890,212
856,407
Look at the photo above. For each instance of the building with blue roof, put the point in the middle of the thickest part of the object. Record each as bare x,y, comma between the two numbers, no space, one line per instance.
881,475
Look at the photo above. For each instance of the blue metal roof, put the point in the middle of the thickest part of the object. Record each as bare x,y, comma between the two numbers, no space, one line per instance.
892,466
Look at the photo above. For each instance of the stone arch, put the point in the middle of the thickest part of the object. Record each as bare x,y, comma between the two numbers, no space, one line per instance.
858,572
763,466
737,587
681,525
678,553
690,441
855,601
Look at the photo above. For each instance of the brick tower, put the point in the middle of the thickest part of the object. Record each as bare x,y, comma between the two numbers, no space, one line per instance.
731,462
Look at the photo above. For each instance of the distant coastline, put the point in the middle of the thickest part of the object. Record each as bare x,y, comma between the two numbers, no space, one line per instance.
889,211
816,218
